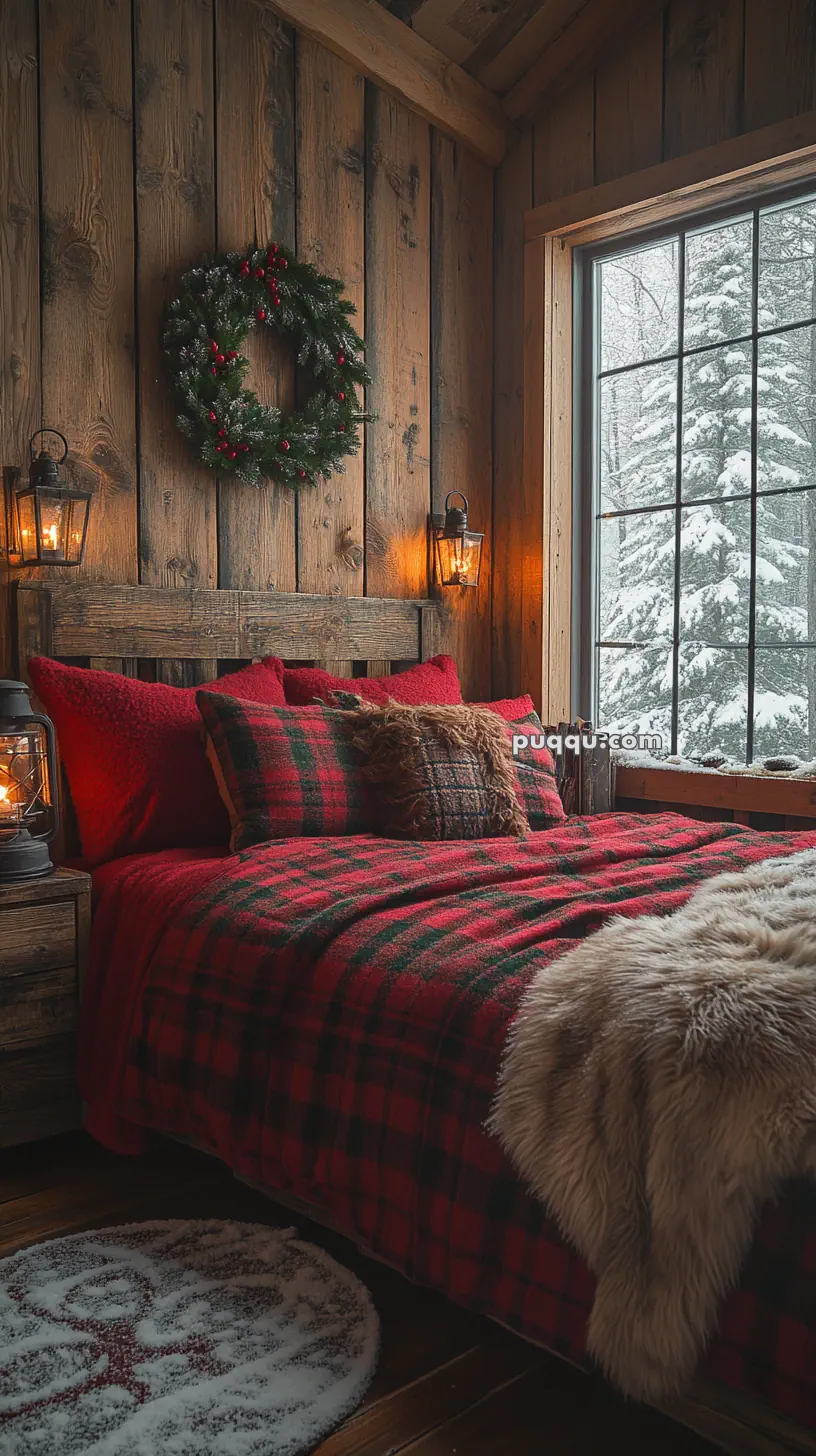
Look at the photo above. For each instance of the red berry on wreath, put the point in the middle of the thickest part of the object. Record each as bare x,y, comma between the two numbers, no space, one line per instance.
222,434
213,370
282,263
219,358
340,395
341,358
260,273
244,269
213,347
232,454
232,354
302,474
260,314
273,248
284,444
213,417
276,302
342,429
243,447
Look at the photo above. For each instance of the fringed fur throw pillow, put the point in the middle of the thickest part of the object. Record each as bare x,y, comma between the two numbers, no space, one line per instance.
439,772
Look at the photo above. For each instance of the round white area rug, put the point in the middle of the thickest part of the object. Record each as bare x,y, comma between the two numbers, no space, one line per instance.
179,1339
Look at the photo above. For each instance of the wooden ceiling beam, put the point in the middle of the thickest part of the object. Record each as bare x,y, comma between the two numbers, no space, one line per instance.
522,34
573,52
385,50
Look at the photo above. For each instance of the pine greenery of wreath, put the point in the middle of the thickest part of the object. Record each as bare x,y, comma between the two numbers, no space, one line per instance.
206,325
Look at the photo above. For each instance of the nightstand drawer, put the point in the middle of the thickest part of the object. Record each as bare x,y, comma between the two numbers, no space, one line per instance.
38,1091
39,1074
38,1004
37,937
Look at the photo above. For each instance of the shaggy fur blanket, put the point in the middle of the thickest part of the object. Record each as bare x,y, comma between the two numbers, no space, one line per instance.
658,1085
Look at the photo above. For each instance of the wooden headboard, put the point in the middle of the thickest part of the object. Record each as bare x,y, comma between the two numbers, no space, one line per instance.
186,634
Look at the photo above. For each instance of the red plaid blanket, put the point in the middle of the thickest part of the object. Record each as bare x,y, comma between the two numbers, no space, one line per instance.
328,1015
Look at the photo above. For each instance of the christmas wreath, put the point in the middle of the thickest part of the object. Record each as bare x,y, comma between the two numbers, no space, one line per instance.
206,325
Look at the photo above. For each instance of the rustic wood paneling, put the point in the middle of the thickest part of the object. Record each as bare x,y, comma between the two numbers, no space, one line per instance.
88,325
162,132
514,194
19,259
780,60
406,67
462,345
398,220
703,73
629,104
563,144
255,129
175,225
175,222
331,234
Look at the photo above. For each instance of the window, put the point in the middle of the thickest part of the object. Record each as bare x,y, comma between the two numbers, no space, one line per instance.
700,384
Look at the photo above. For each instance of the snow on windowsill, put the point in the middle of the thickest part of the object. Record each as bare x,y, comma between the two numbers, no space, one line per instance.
641,758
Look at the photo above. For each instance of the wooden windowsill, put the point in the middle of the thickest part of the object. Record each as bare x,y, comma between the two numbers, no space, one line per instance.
718,790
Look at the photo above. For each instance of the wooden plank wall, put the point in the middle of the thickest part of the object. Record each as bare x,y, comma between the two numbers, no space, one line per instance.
139,135
693,74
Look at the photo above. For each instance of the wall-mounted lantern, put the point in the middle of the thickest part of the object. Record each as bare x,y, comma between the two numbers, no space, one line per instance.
457,550
50,519
29,816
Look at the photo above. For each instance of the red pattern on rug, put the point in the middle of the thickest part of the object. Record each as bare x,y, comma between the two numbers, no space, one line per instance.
329,1015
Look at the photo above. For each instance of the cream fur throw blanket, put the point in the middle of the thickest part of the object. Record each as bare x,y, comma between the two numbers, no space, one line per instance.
658,1085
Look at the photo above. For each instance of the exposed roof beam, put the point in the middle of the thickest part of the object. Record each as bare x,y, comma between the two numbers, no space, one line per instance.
519,37
374,42
573,52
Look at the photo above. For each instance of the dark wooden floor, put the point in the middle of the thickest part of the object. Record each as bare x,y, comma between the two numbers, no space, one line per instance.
448,1383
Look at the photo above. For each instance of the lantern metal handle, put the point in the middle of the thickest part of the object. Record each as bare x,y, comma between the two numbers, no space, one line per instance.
53,770
463,498
47,430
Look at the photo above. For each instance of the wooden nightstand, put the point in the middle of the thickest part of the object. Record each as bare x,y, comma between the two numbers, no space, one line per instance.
44,931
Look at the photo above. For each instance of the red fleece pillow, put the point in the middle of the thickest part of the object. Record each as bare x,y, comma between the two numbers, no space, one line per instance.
134,756
435,681
510,709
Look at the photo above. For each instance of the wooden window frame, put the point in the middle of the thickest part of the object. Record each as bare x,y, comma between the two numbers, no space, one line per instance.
773,158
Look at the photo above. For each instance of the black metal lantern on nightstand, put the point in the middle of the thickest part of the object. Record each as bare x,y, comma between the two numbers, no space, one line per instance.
458,551
29,816
52,518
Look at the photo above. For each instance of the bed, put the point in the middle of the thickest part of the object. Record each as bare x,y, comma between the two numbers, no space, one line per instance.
327,1016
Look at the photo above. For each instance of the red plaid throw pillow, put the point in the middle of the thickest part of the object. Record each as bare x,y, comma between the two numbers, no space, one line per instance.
535,767
535,775
284,772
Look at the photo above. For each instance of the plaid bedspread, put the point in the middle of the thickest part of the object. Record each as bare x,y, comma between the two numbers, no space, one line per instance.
328,1015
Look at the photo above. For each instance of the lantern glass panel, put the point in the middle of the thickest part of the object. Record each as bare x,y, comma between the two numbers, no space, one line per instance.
459,558
54,520
25,787
77,525
27,522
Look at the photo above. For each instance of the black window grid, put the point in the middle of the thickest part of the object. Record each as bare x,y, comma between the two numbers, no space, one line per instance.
587,646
